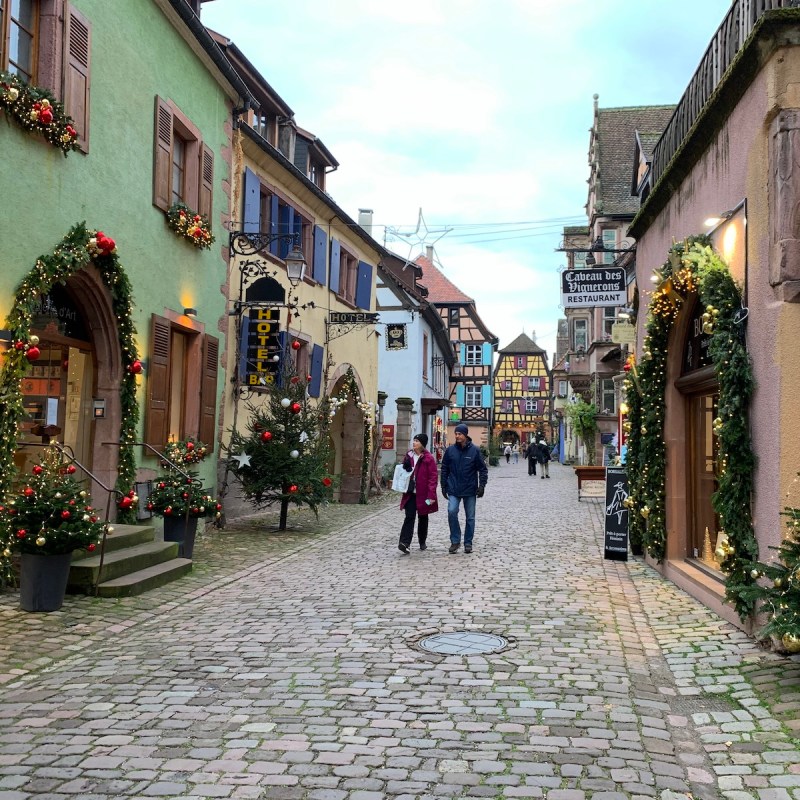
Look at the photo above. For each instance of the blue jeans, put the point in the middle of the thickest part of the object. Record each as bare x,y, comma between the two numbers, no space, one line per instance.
452,518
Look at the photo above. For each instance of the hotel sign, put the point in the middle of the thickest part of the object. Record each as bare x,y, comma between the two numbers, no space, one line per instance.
260,346
352,318
584,288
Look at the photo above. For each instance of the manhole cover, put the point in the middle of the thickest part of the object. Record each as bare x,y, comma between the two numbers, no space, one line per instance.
463,643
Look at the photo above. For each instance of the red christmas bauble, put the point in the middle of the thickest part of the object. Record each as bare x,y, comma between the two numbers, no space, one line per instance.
131,494
22,533
219,506
37,470
135,367
162,485
92,519
190,445
33,353
626,367
20,345
185,495
72,502
28,492
266,436
149,506
296,408
71,469
65,514
91,547
168,510
294,379
195,511
125,502
296,345
45,116
326,481
292,489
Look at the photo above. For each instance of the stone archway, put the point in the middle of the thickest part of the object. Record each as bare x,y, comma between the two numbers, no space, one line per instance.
348,435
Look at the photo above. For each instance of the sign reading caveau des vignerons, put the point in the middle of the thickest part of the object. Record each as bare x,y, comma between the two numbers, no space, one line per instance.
603,286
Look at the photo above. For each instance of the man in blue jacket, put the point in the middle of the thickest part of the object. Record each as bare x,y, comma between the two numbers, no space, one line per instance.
464,477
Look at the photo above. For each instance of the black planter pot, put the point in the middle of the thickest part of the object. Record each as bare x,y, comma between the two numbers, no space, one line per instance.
43,581
183,531
637,548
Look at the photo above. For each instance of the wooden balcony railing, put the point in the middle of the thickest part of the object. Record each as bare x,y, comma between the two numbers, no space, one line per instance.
726,43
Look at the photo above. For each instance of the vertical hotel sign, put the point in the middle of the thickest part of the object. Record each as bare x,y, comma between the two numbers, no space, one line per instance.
260,345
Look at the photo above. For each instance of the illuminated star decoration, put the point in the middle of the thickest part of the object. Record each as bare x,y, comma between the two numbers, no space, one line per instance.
419,238
243,459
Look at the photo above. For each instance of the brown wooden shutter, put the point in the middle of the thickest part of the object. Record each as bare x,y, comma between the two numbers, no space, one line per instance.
77,55
157,411
162,156
206,190
208,391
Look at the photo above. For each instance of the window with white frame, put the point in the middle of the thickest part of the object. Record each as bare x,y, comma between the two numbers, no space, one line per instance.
535,383
580,334
531,405
610,243
473,355
472,396
608,396
609,318
562,388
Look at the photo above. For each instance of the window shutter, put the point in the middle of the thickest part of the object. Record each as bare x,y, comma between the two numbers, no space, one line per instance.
316,371
245,339
525,381
208,391
252,202
486,395
542,383
320,251
283,362
286,225
162,159
157,411
77,55
462,354
460,395
336,254
274,205
301,155
521,405
206,193
364,285
486,354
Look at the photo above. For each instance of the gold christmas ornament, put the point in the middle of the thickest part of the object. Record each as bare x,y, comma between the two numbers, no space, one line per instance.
791,643
777,583
720,553
34,340
41,541
645,512
643,429
755,574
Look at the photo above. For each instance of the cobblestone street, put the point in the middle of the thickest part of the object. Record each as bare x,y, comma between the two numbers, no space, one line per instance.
285,667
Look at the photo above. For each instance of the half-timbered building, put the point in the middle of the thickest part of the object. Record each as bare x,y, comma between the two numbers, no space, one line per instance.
471,394
522,393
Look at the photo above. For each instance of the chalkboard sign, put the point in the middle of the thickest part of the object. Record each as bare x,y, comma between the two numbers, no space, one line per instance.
616,527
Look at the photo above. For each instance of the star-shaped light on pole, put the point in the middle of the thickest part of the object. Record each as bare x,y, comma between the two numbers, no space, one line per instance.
243,459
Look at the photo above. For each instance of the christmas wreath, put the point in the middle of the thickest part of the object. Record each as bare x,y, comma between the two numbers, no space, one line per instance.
694,267
37,111
190,225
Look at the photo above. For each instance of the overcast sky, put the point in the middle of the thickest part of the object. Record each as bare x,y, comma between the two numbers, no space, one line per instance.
476,112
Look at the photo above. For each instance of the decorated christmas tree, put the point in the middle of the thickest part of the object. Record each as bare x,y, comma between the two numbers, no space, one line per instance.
283,457
51,512
780,598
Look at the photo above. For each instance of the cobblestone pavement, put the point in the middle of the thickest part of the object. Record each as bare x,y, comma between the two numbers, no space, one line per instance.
284,667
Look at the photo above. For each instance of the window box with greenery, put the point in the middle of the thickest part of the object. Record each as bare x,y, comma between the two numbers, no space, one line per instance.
190,225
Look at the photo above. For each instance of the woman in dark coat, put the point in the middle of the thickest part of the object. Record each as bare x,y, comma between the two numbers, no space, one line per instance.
532,452
421,499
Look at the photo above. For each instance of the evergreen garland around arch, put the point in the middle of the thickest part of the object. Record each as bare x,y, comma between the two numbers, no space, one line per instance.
77,250
694,267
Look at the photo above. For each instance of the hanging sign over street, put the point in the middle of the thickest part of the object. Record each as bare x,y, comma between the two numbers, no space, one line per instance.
584,288
352,318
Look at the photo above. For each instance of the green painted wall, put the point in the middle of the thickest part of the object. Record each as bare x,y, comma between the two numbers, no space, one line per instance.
136,54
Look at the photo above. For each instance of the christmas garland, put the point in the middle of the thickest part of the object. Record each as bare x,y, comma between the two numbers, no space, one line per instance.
190,225
77,250
692,267
37,111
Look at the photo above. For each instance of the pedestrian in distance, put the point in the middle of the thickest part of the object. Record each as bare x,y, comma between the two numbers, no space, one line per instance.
515,452
532,450
464,477
543,457
524,451
507,453
420,498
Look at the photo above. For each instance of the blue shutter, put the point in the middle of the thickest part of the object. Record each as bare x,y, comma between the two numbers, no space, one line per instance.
320,251
364,285
316,371
486,395
243,347
286,223
460,392
282,362
274,205
336,254
486,354
462,354
252,202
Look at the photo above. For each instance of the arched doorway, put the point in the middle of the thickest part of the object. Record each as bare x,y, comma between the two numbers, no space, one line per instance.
71,392
348,435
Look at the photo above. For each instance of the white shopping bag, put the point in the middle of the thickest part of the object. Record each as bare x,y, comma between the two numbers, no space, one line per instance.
400,479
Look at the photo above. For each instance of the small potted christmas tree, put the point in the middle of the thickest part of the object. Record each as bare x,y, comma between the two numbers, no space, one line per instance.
45,520
178,495
780,597
283,458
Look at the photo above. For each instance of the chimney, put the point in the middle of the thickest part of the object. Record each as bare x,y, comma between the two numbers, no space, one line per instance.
429,252
365,219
